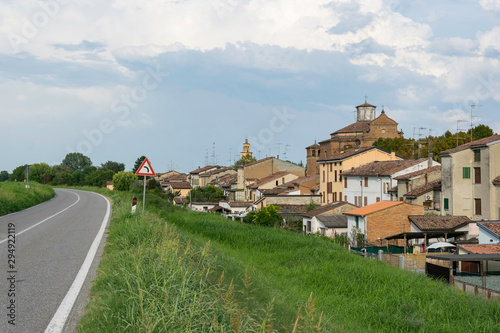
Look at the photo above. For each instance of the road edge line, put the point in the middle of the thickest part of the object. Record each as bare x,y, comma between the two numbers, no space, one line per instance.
59,319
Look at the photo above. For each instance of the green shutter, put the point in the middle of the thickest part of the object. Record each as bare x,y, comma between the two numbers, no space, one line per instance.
446,204
357,222
466,172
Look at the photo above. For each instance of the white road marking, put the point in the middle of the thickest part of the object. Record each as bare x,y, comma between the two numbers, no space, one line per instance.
58,321
48,218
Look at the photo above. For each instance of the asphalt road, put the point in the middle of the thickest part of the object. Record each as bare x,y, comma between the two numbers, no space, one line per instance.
55,243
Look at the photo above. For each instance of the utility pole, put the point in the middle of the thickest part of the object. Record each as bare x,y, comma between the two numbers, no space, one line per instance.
419,135
461,129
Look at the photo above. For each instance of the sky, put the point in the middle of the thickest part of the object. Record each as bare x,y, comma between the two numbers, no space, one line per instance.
186,82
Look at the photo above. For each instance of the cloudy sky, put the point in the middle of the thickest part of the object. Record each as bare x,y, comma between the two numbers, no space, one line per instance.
186,81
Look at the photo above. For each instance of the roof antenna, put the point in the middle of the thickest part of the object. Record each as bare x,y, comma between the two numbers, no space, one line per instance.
366,97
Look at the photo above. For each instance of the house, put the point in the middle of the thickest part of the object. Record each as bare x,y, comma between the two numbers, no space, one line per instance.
249,173
412,186
183,187
236,207
207,177
371,182
428,195
296,202
331,169
363,133
489,232
470,175
109,185
301,185
380,220
253,191
178,201
194,176
328,220
475,266
438,228
202,206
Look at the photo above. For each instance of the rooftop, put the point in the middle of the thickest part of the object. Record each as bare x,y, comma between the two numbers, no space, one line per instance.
418,173
347,153
205,168
324,209
479,142
481,248
333,221
428,222
382,168
378,206
269,178
359,126
424,189
494,227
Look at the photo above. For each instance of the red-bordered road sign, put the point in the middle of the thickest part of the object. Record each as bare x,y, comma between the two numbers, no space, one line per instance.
145,169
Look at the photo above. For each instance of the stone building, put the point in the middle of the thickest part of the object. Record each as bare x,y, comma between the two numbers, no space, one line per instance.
363,133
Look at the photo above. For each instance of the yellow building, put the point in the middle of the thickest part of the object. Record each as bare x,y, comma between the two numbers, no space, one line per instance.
246,150
331,168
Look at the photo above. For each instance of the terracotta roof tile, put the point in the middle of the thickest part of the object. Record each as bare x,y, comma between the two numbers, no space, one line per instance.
298,181
180,185
366,210
481,248
256,162
424,189
492,226
205,168
292,208
333,221
479,142
359,126
347,153
324,209
382,168
418,173
428,222
269,178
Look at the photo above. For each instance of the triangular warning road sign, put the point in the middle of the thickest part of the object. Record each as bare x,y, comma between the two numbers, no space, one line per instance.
145,169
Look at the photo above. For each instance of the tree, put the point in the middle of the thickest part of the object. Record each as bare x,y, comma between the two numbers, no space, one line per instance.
99,178
122,180
244,160
39,172
266,216
209,193
480,132
138,163
77,161
18,174
4,176
62,178
114,166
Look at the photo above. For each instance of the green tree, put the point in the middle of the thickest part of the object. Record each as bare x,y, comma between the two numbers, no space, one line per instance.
62,178
244,160
18,174
480,131
114,166
39,172
266,216
76,161
209,193
99,178
122,180
4,176
138,163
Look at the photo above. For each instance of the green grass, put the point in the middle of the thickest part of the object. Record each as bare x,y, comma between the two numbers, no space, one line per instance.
15,197
162,272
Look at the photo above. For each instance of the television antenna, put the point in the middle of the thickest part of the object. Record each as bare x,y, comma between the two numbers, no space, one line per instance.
460,129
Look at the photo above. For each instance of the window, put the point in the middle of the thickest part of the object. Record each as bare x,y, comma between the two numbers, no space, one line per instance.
331,166
366,201
282,180
334,196
477,206
357,222
340,196
319,151
366,181
477,175
446,204
477,155
329,187
466,173
335,175
345,182
378,199
323,196
314,152
323,176
277,183
386,188
340,175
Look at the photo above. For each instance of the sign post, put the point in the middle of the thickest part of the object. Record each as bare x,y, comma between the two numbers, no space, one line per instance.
27,171
145,170
134,204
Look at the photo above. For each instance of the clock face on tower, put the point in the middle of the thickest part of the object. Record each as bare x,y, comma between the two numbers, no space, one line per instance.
383,131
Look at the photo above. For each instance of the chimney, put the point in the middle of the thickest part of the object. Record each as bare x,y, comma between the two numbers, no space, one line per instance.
429,163
393,155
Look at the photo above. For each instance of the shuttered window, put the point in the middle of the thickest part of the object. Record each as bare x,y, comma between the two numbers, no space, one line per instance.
466,173
446,203
477,206
477,175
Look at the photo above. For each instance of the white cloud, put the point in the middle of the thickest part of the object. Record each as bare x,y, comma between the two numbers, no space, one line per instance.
490,5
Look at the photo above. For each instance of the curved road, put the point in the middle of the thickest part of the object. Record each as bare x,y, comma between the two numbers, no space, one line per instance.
55,245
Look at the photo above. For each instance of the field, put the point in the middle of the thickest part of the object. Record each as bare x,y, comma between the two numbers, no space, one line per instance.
15,197
179,271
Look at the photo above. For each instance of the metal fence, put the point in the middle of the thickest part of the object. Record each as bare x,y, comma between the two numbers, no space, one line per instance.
475,289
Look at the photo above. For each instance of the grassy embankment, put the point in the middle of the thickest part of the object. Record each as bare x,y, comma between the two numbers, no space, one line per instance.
15,197
161,278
